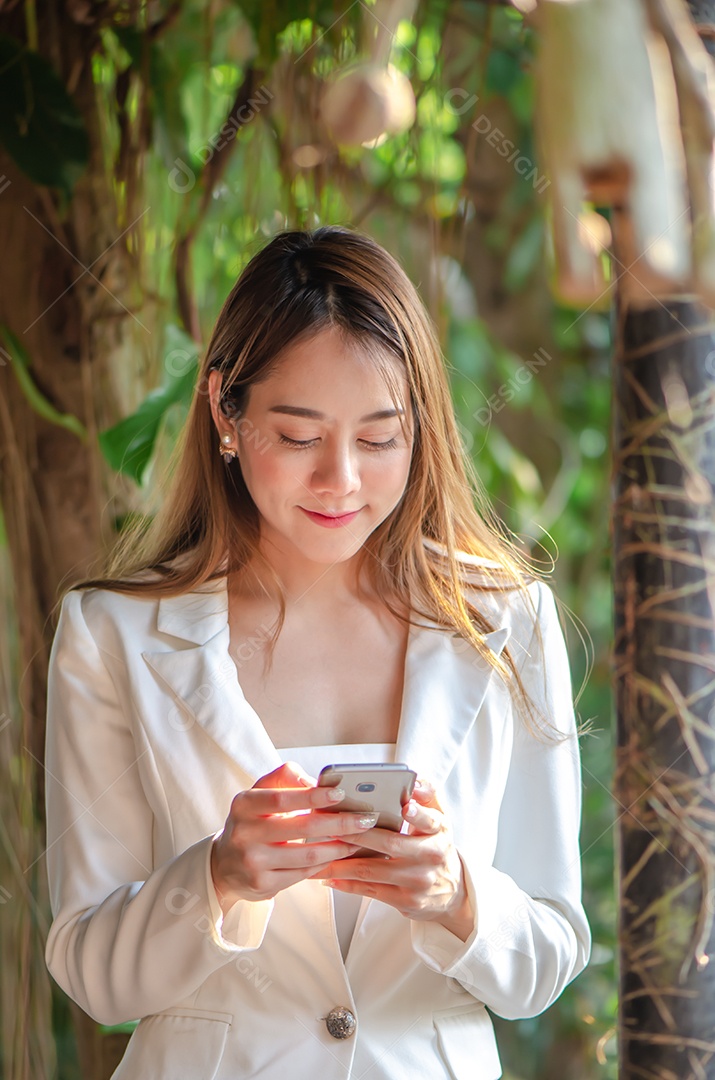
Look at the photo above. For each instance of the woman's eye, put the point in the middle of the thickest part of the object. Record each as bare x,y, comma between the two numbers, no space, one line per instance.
304,443
389,445
295,442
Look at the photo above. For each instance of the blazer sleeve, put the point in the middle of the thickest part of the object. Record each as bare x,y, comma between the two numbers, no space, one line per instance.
127,939
531,936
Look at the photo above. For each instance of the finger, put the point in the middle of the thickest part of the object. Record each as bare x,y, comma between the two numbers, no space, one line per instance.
304,778
385,842
378,871
422,819
320,825
307,856
277,880
375,890
289,774
412,847
285,800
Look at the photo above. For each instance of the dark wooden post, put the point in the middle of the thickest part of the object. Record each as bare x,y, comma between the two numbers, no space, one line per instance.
664,562
664,669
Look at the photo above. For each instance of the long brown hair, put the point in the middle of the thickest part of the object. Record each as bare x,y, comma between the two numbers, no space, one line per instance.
299,284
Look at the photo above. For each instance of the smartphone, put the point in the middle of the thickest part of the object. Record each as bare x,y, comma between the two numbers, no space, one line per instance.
383,786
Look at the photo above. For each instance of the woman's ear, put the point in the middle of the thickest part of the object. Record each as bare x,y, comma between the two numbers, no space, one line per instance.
225,426
215,382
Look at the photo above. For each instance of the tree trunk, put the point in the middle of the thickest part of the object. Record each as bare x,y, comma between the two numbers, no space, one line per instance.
74,326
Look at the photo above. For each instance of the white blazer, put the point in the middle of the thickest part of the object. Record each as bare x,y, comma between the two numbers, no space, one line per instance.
149,737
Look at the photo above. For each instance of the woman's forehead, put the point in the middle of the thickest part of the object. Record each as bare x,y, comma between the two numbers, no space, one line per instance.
329,361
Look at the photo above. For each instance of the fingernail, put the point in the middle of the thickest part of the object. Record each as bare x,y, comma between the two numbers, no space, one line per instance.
335,794
410,810
366,821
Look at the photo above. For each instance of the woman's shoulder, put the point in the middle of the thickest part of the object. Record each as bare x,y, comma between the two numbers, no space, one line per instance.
137,606
505,596
103,612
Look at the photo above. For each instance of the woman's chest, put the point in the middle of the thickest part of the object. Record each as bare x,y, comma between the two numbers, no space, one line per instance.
343,684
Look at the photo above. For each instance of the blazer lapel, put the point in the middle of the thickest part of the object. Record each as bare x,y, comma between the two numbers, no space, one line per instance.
446,681
203,680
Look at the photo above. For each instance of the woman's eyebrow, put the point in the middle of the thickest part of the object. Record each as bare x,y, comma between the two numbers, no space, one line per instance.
313,414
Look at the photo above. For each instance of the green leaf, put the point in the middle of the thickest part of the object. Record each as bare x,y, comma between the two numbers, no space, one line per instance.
40,126
129,445
21,366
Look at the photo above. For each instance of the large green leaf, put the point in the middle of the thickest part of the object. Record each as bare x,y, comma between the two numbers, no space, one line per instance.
129,445
40,126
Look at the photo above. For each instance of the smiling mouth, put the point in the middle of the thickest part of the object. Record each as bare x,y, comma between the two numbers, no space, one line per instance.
331,517
343,513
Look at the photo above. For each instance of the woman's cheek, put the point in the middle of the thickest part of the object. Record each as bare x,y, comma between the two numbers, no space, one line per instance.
269,466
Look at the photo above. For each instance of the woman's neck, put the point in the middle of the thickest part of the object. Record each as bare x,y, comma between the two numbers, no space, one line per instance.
311,586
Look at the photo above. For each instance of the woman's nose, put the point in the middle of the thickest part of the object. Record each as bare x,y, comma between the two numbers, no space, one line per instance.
337,472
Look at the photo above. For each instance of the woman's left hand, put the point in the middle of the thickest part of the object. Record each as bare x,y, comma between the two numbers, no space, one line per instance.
421,872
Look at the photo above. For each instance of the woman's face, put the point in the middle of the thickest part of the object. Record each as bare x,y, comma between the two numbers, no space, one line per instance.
323,471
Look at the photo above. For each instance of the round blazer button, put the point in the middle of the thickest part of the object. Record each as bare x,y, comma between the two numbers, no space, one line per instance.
340,1022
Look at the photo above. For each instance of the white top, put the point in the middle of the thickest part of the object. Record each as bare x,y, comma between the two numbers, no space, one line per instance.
346,906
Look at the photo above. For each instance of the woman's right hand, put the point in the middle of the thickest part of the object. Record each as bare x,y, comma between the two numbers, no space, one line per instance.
260,851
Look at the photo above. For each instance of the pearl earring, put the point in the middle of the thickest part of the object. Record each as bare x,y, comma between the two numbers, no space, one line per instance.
227,452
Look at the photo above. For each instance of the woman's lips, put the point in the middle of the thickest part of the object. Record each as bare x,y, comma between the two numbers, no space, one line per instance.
330,522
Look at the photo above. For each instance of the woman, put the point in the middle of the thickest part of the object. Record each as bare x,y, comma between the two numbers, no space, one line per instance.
317,588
